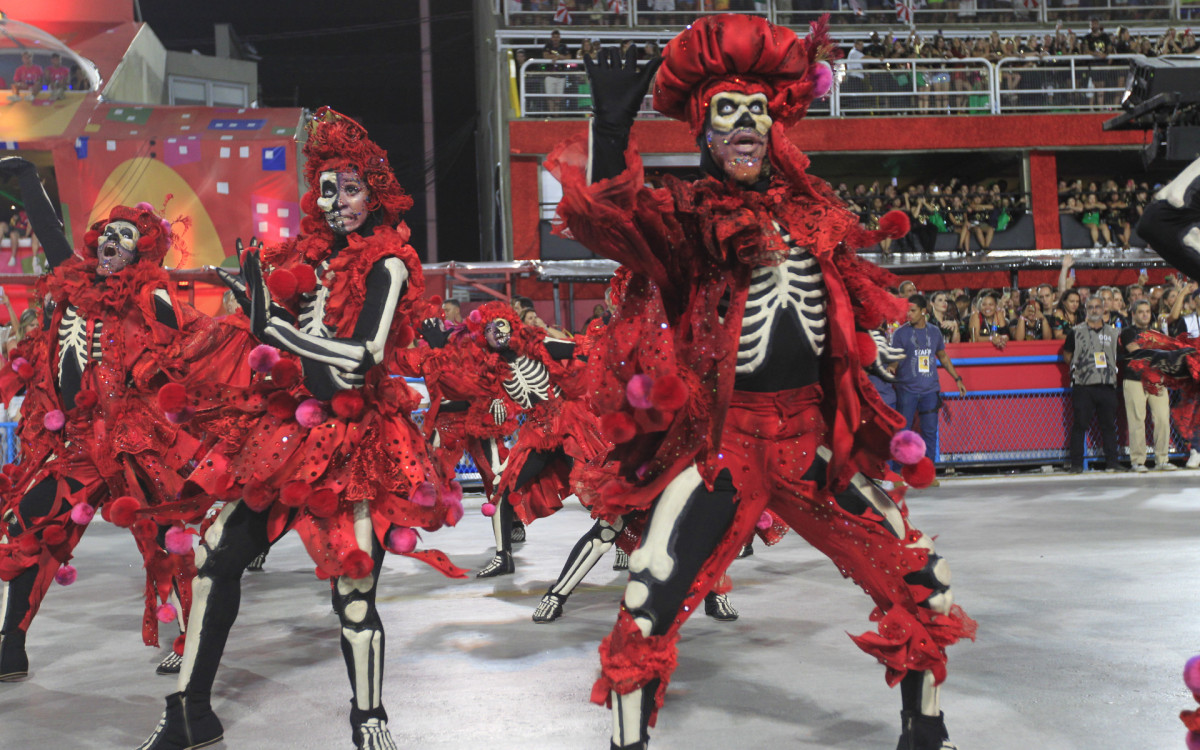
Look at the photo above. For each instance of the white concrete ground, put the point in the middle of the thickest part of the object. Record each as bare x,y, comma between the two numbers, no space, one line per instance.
1085,589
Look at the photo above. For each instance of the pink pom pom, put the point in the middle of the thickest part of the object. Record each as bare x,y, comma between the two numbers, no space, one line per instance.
402,540
179,540
454,511
764,521
822,79
488,509
310,413
637,390
453,493
1191,674
66,575
263,357
166,613
424,495
82,514
16,363
907,447
180,417
144,206
1193,741
54,420
475,316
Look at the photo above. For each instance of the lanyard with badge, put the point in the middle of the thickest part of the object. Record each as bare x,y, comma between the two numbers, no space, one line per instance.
923,360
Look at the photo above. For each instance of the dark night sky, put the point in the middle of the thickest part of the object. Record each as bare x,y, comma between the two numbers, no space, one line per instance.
362,59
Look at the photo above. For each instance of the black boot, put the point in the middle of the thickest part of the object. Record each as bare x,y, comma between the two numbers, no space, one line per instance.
717,606
187,724
369,729
921,732
14,664
500,565
549,609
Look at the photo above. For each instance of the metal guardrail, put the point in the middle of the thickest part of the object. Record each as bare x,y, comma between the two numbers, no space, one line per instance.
905,86
659,13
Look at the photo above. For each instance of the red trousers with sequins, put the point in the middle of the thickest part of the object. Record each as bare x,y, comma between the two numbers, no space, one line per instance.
769,448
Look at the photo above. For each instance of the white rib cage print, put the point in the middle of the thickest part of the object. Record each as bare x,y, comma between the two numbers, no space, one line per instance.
795,284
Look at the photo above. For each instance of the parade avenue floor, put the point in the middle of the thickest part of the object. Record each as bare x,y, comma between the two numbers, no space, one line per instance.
1085,590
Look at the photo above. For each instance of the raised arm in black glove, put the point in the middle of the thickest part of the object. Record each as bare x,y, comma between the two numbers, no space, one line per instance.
42,218
617,93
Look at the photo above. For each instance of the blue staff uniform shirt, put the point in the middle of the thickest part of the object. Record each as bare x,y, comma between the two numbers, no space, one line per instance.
917,372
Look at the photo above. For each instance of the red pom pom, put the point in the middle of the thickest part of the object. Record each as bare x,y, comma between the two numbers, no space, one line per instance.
294,494
86,398
177,646
9,470
894,224
281,405
920,474
868,351
123,511
5,483
404,336
618,427
669,393
66,575
306,279
347,404
358,564
285,373
172,397
28,544
25,371
323,503
258,496
262,358
54,535
282,284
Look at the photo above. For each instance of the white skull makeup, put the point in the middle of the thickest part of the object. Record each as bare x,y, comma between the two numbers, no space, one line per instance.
117,247
344,198
737,134
497,334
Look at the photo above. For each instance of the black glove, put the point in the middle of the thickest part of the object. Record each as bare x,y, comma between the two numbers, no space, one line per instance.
235,281
617,93
434,333
256,291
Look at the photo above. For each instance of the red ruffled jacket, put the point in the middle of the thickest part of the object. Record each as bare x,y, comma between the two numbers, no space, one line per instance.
688,244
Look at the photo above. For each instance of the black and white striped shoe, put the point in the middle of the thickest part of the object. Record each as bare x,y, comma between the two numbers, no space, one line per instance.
257,563
187,724
500,565
517,533
717,606
170,664
549,609
373,734
622,561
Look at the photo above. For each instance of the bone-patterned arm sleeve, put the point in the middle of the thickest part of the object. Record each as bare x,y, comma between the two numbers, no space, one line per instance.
347,358
39,208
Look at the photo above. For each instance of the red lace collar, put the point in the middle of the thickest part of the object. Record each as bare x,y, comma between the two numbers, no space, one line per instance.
75,282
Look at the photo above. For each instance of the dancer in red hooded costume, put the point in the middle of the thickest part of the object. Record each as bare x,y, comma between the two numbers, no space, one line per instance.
326,444
733,377
90,435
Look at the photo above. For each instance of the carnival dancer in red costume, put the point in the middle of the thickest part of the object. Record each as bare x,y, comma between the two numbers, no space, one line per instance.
733,377
537,374
90,435
330,451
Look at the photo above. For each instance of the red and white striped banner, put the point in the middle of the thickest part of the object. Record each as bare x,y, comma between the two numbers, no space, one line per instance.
562,14
903,11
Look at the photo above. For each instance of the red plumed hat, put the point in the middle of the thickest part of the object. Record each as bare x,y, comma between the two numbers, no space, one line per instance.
745,53
156,233
337,143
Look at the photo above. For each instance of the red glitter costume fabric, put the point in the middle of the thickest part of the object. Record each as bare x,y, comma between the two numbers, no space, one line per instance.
309,478
689,246
114,442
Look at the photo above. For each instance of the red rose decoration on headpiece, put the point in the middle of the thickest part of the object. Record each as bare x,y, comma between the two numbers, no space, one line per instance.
338,143
745,53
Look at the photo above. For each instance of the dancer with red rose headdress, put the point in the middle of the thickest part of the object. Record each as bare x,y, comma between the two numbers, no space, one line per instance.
733,378
326,444
90,436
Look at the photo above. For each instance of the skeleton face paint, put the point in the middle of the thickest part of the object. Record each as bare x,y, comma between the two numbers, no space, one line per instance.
344,199
737,134
117,247
497,334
